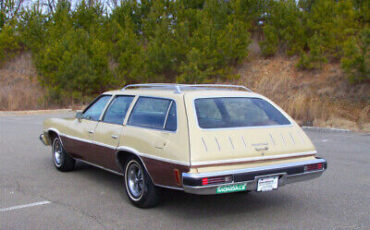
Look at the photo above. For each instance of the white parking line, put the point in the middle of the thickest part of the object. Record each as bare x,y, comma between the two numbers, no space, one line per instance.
25,206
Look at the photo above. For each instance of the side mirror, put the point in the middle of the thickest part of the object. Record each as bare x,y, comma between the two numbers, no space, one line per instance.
79,115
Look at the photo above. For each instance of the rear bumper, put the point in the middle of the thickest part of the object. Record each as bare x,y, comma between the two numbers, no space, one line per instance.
288,173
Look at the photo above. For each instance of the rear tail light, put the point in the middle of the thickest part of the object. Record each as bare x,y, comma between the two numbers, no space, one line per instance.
313,167
216,180
177,176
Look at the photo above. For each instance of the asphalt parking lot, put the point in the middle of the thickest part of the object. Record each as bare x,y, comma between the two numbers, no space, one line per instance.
34,195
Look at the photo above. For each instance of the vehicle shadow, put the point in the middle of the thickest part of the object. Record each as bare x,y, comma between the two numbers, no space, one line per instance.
178,204
188,206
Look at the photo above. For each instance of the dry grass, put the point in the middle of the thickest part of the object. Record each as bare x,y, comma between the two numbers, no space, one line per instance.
323,98
19,89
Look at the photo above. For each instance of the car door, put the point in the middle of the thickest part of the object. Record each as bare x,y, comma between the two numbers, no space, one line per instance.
108,131
83,128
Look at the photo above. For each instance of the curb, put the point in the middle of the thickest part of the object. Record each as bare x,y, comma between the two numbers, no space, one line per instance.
31,112
324,129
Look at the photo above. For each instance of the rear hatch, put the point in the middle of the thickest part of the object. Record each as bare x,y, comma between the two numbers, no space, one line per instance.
254,129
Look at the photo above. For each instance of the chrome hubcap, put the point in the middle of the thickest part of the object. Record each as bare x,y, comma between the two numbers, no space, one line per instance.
135,180
57,153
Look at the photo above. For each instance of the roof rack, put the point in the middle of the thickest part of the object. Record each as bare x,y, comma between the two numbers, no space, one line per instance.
178,87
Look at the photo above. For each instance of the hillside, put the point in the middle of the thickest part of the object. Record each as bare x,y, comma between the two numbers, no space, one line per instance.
19,88
320,98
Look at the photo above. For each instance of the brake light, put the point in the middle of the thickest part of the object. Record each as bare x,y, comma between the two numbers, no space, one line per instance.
177,176
216,180
312,167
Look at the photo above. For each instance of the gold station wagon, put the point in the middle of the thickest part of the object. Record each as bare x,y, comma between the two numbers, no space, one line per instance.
202,139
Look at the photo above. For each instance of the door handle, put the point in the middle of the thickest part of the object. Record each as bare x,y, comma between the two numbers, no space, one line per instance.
91,131
161,146
114,136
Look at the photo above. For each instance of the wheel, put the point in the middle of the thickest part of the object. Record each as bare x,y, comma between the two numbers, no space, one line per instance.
62,160
138,186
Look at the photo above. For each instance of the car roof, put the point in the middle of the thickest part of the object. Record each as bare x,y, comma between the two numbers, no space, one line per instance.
179,90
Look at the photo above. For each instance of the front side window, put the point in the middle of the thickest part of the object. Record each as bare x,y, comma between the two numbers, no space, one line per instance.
237,112
150,113
94,111
117,110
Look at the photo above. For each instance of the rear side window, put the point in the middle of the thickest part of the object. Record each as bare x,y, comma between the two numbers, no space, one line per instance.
117,110
94,111
152,113
237,112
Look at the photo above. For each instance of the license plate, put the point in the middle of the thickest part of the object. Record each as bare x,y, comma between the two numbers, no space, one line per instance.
267,184
231,188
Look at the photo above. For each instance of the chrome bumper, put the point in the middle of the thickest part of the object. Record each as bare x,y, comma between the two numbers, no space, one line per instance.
44,139
288,173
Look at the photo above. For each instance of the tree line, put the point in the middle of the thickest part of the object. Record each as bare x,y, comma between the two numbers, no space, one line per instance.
85,47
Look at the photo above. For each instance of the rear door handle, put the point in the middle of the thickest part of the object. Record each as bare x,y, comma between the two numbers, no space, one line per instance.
91,131
114,136
162,145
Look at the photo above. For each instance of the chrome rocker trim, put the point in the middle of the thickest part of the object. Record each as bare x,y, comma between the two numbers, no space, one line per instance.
280,170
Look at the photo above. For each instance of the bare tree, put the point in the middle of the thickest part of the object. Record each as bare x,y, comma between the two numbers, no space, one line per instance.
50,4
9,9
111,4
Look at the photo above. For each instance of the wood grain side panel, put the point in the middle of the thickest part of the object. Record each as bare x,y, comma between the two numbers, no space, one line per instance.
77,149
162,172
105,157
93,153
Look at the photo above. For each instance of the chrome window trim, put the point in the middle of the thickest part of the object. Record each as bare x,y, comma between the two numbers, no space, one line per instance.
168,111
105,108
243,127
154,129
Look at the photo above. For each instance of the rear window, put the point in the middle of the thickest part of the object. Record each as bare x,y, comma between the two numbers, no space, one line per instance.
230,112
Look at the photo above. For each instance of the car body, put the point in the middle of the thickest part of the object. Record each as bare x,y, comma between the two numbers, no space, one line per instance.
202,139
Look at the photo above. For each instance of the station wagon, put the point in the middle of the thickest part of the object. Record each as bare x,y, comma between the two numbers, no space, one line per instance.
201,139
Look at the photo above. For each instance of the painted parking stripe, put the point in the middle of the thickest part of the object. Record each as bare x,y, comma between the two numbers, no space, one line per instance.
25,206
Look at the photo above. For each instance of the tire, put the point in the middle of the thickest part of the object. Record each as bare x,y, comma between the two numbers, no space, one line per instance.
138,186
61,159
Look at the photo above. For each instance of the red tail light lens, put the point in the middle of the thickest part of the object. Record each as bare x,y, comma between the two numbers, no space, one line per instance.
177,176
313,167
216,180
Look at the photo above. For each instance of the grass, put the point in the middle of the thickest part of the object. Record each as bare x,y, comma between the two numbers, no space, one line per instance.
19,89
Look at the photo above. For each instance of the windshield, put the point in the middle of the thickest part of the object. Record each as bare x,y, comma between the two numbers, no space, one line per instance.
228,112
